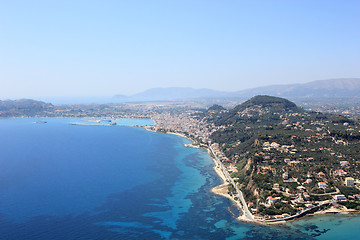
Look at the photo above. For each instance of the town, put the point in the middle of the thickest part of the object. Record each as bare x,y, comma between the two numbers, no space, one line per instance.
298,162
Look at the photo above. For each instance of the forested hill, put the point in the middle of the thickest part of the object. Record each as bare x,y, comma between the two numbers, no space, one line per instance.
23,107
216,108
263,115
267,101
273,144
259,108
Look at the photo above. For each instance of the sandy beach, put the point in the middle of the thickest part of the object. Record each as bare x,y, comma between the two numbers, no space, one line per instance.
333,210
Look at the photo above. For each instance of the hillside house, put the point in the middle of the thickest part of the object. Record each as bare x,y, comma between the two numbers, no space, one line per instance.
349,181
339,197
285,176
276,186
344,164
339,172
322,185
308,181
271,200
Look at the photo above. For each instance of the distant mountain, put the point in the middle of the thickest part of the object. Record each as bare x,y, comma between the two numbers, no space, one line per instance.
177,93
333,88
23,107
121,96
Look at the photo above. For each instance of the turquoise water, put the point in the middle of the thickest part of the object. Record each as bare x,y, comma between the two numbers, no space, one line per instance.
329,227
62,181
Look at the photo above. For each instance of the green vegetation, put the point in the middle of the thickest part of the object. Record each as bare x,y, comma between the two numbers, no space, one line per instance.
216,107
23,107
272,141
348,191
351,204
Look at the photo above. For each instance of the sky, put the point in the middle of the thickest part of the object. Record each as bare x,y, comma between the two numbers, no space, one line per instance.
101,48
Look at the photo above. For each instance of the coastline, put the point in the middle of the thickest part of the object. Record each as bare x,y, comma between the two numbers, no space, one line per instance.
333,210
222,189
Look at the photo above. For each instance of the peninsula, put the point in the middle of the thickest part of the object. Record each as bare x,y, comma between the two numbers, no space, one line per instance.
278,161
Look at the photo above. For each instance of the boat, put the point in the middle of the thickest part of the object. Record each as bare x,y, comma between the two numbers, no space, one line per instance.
41,122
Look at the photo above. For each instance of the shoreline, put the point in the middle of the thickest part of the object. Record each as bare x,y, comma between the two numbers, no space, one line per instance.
222,189
332,210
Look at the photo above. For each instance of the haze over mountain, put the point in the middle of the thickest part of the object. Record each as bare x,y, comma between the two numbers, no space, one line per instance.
174,93
333,88
344,88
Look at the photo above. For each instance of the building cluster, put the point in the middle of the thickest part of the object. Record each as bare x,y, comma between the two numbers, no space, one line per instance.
185,122
280,160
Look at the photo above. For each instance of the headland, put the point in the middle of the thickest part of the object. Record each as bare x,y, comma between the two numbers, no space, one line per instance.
262,170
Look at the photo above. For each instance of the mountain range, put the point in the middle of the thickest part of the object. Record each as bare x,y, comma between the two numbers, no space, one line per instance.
328,90
175,93
333,88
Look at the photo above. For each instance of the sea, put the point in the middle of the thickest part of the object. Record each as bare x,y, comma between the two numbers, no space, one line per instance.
63,181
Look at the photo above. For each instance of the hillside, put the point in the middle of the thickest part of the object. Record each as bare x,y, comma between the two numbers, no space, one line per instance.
281,152
23,107
216,108
323,89
265,101
261,106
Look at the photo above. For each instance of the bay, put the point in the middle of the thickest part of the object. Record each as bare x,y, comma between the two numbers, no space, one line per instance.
62,181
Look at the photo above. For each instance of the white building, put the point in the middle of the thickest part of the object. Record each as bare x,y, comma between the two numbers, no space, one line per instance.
271,200
322,185
339,197
349,181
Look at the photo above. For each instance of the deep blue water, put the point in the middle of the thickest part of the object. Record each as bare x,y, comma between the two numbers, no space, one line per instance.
60,181
120,122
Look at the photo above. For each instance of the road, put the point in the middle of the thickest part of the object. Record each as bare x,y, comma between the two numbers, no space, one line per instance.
300,213
244,209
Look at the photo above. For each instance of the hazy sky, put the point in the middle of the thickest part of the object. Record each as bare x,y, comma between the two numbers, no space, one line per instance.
97,48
